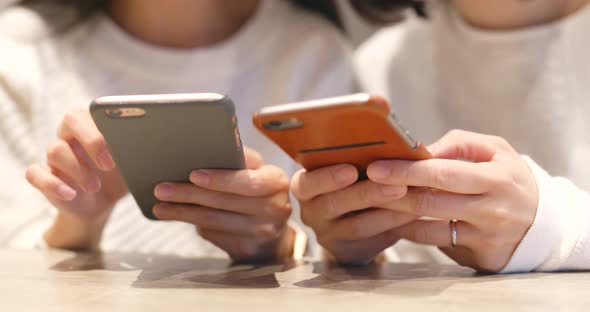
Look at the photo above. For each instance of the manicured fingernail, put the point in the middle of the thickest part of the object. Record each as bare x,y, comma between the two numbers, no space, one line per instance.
379,170
345,175
65,192
200,177
105,160
391,190
94,185
161,211
163,191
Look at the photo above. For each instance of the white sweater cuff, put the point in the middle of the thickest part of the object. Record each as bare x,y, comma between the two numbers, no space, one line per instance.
544,234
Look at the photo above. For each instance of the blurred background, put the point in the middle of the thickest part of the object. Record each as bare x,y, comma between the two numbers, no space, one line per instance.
358,29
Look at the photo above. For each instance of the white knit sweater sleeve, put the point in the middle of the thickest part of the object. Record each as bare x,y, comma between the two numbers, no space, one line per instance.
559,238
21,205
529,86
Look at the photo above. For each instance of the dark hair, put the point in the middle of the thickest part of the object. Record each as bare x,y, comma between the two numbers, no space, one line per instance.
60,15
81,7
376,11
387,11
86,8
326,8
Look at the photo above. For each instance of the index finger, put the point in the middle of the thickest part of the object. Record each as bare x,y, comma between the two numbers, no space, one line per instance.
266,181
78,125
455,176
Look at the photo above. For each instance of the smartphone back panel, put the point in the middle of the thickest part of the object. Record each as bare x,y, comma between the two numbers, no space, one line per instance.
175,135
356,130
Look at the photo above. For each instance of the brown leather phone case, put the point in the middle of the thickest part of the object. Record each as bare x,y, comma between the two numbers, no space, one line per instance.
356,129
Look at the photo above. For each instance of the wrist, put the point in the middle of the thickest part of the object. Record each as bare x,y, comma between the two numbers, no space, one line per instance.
515,14
72,232
544,235
280,249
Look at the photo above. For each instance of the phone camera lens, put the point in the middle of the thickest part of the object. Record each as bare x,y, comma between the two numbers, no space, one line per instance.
125,112
274,124
115,113
287,124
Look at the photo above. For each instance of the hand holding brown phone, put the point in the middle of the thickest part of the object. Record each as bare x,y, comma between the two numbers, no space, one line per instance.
335,140
356,129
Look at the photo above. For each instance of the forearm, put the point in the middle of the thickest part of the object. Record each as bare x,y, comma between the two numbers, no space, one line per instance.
515,14
71,232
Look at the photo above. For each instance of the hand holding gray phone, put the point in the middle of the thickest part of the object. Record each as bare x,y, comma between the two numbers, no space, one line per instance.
162,138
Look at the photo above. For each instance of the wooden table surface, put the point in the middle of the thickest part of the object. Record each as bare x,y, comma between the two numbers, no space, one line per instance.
65,281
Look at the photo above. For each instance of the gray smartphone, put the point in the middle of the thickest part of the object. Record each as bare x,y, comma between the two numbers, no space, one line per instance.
162,138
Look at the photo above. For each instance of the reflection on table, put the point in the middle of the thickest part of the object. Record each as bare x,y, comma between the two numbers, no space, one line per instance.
64,281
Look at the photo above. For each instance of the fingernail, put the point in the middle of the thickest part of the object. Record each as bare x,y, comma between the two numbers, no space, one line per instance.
65,192
161,211
163,191
105,160
345,175
200,177
379,170
94,185
391,190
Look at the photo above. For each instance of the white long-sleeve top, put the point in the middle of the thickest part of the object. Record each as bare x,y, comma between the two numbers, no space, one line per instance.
282,54
531,87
